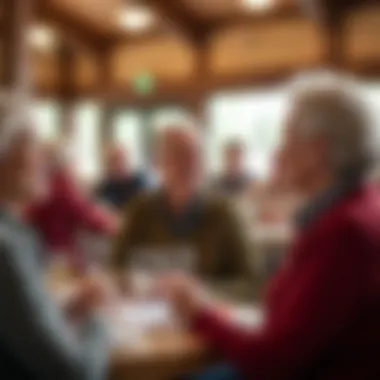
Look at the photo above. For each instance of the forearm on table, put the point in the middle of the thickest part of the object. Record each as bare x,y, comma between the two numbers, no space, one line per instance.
309,319
234,287
222,335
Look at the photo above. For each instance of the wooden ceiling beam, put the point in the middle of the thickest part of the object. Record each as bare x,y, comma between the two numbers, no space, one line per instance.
191,91
331,15
282,12
71,25
176,14
326,10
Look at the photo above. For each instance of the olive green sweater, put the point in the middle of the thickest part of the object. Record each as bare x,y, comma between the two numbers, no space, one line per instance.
213,234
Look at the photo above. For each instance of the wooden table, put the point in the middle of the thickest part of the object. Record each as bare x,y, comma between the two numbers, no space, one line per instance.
167,354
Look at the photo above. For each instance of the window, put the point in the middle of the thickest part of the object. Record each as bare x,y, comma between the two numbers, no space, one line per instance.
135,130
86,139
162,117
372,90
127,131
254,118
47,119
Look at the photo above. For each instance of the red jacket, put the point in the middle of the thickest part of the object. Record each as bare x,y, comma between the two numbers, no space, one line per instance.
323,307
66,211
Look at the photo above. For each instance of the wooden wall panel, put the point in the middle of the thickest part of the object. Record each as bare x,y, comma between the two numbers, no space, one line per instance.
168,59
214,8
363,36
266,47
86,71
45,70
99,13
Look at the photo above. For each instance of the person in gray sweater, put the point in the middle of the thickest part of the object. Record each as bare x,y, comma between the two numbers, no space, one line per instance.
38,339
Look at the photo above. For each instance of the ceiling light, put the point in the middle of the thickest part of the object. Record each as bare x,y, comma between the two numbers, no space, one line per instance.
42,37
136,18
258,5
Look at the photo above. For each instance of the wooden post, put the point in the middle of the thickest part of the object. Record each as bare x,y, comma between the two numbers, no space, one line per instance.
107,113
331,16
67,85
196,105
16,20
335,46
104,82
148,135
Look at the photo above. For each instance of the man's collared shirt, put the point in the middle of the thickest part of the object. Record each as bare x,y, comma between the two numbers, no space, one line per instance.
187,219
208,226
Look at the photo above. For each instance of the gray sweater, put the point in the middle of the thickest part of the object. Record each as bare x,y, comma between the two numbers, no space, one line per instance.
36,341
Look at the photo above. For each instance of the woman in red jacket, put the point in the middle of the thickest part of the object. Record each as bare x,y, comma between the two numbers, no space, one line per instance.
66,211
322,310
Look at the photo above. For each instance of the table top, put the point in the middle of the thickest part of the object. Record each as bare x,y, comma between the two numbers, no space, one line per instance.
146,331
159,346
160,357
161,354
164,352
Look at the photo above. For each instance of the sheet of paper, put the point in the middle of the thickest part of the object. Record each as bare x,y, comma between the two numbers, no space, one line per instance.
133,319
248,316
146,314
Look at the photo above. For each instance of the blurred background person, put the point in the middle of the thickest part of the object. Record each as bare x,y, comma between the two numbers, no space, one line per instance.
37,339
180,217
120,183
234,180
322,308
66,211
275,202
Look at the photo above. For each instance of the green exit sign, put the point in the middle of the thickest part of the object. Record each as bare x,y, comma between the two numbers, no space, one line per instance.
144,83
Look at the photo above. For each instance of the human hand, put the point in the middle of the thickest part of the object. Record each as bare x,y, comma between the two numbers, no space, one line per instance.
90,295
186,295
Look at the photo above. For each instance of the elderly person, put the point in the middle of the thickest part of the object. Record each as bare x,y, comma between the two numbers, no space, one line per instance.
120,184
66,211
233,181
181,219
37,339
322,314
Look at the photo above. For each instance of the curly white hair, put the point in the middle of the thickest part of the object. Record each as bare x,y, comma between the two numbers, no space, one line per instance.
334,105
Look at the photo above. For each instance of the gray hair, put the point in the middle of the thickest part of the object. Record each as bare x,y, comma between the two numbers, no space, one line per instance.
333,105
181,128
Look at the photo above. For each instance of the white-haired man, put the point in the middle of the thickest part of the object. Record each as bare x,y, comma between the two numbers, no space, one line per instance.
322,311
180,219
37,340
